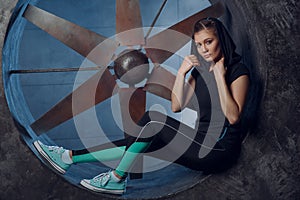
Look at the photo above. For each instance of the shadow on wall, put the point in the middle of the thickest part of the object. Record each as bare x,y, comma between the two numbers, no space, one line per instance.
234,21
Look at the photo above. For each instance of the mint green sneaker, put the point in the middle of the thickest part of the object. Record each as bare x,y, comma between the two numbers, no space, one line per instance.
52,154
103,183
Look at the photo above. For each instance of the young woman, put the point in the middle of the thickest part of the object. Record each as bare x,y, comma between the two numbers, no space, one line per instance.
215,143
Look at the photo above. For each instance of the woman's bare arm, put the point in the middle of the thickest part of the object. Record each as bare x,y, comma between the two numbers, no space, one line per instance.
182,92
233,98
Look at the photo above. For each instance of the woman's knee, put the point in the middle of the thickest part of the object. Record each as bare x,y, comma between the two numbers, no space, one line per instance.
149,116
154,116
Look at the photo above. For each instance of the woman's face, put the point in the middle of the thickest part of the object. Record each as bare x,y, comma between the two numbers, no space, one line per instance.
208,45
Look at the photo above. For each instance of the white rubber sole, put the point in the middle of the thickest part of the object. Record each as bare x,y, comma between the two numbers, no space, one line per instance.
38,147
85,183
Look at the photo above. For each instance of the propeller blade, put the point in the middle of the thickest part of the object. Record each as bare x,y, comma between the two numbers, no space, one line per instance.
133,105
90,93
128,19
164,44
83,41
160,83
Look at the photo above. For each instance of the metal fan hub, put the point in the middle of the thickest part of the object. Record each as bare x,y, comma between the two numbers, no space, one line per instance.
131,66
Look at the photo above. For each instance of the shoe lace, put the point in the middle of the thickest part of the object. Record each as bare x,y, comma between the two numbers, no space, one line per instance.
102,178
56,149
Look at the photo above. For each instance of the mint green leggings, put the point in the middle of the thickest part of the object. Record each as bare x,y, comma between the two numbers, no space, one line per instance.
127,157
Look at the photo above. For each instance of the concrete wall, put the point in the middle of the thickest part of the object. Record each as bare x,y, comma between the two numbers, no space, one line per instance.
269,165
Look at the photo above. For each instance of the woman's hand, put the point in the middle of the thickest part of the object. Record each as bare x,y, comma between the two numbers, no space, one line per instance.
219,68
188,63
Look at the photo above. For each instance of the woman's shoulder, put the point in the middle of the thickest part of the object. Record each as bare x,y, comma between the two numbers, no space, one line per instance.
238,67
236,70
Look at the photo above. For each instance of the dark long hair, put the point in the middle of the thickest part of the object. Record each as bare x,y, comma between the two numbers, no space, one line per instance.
227,45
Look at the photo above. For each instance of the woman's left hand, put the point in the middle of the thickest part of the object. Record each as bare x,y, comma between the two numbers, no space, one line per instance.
219,68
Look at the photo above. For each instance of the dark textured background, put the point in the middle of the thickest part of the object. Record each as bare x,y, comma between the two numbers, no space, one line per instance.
269,166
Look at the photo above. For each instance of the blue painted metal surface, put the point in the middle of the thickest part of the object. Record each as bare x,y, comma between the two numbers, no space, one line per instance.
30,95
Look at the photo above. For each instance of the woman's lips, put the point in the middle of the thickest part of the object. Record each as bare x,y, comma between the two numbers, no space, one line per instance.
206,56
